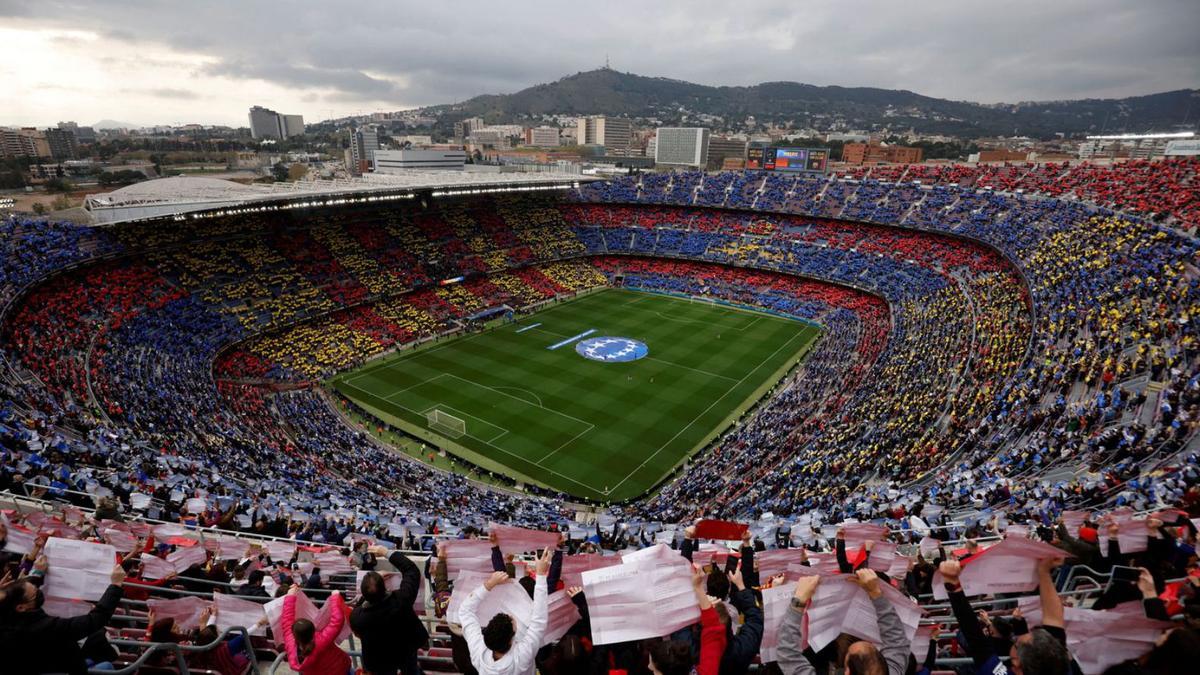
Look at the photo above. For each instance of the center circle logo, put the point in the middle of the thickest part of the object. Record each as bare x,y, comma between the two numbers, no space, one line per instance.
612,349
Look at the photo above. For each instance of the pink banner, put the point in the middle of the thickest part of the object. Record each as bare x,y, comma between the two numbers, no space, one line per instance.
517,540
857,534
280,551
122,541
641,599
154,568
184,558
777,561
20,539
185,611
79,570
776,602
573,566
333,562
561,615
1008,567
882,555
233,612
467,554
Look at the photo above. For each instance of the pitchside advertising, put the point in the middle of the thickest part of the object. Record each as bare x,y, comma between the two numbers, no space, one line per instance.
787,159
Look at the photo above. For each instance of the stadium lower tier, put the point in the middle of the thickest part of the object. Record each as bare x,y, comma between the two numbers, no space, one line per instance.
178,351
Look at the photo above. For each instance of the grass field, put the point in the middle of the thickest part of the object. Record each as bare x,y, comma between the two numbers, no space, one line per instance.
605,431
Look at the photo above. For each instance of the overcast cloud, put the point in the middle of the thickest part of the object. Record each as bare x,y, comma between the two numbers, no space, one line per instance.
149,62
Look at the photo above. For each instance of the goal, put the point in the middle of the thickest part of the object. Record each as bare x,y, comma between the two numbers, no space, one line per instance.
446,424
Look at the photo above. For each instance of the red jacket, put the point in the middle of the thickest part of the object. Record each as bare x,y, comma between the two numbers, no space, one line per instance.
712,643
326,657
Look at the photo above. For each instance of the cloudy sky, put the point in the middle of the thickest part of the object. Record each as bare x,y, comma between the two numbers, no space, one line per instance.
146,62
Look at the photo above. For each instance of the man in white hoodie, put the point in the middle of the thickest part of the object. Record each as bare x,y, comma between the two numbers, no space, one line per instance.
497,649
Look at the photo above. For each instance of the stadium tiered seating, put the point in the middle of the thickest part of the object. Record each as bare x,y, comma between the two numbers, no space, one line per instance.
988,359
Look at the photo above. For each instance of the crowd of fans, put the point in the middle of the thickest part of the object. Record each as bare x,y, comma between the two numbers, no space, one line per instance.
1046,361
1087,592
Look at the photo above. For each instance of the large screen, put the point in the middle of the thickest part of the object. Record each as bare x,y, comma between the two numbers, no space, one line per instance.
754,157
787,159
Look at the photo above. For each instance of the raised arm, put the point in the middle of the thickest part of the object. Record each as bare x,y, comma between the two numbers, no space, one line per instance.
748,640
531,640
792,660
749,574
337,617
978,646
689,542
1052,606
467,614
555,573
289,618
896,644
410,583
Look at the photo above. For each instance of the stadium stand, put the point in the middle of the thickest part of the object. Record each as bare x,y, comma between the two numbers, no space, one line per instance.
1009,372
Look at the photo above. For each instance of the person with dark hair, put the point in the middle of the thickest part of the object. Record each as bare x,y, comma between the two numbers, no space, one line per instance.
862,657
386,623
313,652
670,657
254,586
1041,651
498,648
35,642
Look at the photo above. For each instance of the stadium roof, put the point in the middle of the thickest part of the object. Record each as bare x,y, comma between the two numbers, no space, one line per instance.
183,197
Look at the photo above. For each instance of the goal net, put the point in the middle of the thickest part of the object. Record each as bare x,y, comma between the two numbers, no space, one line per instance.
446,424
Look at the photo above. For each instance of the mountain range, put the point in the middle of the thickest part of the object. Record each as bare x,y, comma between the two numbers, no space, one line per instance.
667,101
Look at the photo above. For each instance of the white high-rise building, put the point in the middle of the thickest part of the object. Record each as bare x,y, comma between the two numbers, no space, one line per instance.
681,146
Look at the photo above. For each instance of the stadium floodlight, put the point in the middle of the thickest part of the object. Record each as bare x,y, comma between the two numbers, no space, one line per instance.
446,424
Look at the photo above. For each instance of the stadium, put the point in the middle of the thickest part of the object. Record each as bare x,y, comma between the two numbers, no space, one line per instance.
960,355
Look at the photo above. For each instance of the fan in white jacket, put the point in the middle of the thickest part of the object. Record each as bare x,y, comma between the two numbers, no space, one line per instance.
516,658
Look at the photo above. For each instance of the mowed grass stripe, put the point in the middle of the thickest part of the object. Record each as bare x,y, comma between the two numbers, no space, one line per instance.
645,416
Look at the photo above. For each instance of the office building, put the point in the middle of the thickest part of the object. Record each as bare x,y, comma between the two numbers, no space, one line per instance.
399,161
468,127
363,145
614,134
82,134
266,123
542,137
293,125
721,149
681,146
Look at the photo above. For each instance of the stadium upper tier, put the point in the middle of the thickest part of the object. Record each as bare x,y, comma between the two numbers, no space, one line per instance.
187,196
985,339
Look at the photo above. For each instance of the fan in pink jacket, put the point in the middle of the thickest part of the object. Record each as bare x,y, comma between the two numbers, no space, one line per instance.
311,651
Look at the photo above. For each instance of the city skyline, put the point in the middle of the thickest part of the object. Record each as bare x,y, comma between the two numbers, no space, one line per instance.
145,64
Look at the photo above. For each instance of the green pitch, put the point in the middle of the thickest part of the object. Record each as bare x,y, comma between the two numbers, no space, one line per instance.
602,431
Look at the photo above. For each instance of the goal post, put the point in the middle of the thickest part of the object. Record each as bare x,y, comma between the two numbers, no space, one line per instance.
446,424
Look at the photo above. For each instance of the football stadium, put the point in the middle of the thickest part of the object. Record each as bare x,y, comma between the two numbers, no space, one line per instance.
613,375
908,356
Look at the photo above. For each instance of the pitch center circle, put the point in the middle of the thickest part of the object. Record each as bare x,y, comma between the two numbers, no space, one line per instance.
610,349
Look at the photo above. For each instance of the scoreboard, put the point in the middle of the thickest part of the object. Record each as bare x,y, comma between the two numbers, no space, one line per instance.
787,159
